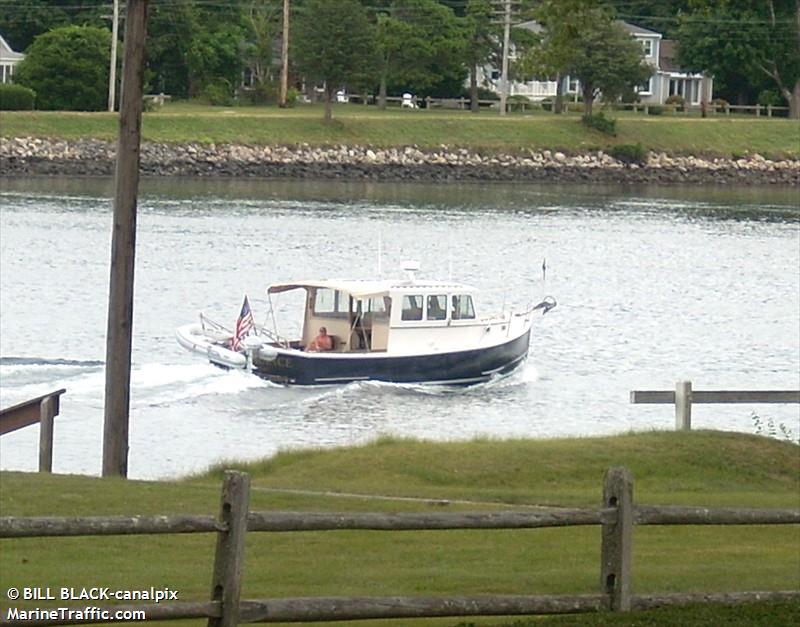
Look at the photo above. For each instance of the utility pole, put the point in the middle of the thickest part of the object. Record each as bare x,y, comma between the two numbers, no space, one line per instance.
112,70
504,73
284,56
123,246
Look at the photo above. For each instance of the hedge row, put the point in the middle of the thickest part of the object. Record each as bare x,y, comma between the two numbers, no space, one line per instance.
16,98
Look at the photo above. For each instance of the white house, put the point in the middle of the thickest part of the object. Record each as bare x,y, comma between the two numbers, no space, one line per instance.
667,79
8,59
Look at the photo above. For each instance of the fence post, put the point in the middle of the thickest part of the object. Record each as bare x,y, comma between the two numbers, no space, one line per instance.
229,558
48,409
683,406
617,540
769,110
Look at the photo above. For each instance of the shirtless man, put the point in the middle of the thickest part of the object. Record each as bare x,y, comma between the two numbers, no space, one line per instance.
323,342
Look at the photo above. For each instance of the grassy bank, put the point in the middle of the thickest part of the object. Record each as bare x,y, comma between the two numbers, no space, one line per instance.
701,468
485,131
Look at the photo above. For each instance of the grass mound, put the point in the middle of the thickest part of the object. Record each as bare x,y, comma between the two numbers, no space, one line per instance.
701,468
695,468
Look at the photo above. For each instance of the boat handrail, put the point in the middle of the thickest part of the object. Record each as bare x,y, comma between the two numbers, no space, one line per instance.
214,325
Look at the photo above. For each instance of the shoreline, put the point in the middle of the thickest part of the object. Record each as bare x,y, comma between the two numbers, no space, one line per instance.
34,156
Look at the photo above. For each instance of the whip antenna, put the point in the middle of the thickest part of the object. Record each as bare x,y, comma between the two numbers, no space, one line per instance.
380,253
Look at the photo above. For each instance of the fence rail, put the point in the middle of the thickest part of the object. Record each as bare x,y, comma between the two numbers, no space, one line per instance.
617,517
43,410
684,397
523,104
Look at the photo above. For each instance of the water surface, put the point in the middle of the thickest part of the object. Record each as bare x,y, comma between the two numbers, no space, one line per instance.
654,285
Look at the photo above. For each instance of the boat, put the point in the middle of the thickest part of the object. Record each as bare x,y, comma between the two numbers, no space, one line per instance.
400,331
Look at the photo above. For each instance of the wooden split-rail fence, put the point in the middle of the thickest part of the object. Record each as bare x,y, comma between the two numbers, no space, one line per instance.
684,397
42,410
617,517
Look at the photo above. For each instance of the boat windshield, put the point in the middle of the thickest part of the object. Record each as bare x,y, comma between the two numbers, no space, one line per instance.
462,307
328,303
412,307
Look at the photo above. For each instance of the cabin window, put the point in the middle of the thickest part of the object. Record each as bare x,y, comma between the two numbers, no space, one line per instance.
412,307
437,307
462,307
330,303
379,307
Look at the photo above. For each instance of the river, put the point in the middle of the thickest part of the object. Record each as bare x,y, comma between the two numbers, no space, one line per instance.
654,285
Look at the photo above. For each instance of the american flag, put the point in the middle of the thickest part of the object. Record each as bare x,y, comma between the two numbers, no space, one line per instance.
243,325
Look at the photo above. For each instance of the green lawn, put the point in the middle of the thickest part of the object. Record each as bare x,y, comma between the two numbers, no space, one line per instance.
360,125
699,468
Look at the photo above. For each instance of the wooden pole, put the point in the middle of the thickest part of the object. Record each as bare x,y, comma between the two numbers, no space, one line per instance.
504,68
617,540
112,70
123,247
229,559
683,406
48,409
284,56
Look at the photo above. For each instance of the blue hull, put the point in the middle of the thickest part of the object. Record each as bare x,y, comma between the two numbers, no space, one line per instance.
455,368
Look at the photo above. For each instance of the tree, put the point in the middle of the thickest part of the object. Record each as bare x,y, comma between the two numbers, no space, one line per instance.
195,46
22,21
580,38
334,44
744,42
263,21
421,44
67,67
482,36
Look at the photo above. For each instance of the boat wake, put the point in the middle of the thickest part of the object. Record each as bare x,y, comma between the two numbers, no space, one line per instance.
43,361
525,375
152,384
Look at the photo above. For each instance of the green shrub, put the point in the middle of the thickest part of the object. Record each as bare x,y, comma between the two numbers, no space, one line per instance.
770,97
518,103
600,122
16,98
292,97
67,67
218,93
655,110
628,153
546,104
676,102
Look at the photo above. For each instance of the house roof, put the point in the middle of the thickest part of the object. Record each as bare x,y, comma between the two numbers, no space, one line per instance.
7,54
633,29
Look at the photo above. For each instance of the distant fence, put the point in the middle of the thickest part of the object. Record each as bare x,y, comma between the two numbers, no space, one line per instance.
683,397
43,410
524,105
617,517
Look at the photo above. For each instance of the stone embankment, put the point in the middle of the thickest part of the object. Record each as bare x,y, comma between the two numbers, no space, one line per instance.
95,157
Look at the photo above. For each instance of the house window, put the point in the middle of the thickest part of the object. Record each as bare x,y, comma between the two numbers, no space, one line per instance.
573,86
495,75
412,307
647,47
677,87
437,307
646,88
462,307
